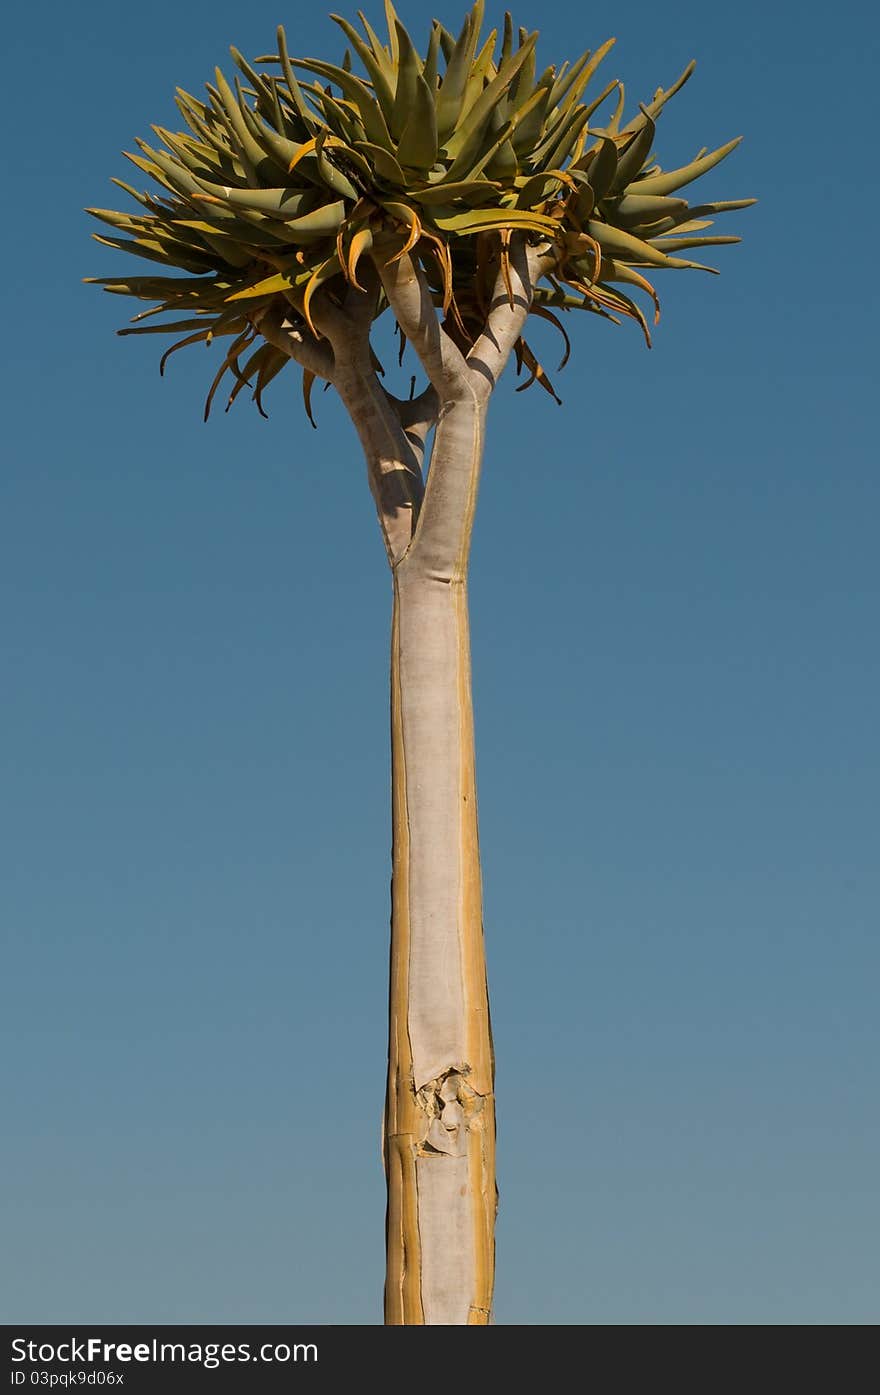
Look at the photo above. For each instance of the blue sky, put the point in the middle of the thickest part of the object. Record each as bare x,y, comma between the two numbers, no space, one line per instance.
676,701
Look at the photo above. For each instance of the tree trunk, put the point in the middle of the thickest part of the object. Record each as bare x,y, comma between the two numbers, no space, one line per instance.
440,1109
440,1105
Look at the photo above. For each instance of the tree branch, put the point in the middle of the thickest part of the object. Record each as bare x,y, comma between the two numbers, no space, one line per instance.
416,415
442,539
505,322
393,432
292,336
409,296
360,306
394,461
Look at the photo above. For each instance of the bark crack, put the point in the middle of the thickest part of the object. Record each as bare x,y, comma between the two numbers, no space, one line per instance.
449,1105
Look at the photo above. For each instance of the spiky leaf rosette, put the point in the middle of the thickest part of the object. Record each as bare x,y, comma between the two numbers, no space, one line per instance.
284,187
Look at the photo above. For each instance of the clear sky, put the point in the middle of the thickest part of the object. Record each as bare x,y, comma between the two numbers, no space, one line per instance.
676,701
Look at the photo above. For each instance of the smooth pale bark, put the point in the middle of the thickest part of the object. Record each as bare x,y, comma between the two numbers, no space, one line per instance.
440,1107
440,1114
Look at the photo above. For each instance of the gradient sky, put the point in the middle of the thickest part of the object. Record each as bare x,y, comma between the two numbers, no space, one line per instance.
674,596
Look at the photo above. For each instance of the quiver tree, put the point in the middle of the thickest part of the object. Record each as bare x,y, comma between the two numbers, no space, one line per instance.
464,191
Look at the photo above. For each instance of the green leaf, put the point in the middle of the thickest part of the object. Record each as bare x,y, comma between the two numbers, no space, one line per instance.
278,149
332,177
187,258
491,219
613,127
418,143
537,188
191,153
252,229
322,222
585,202
600,167
655,107
565,77
507,37
482,71
501,162
597,101
478,190
394,26
232,229
380,51
259,81
378,71
171,174
447,41
509,131
558,150
375,127
668,182
342,118
460,146
680,244
633,156
125,221
690,219
279,202
270,285
175,327
227,249
454,81
409,70
530,124
319,222
429,72
636,209
629,248
385,165
598,57
296,96
253,152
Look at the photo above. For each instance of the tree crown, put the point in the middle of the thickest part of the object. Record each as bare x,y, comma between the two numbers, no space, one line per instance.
285,192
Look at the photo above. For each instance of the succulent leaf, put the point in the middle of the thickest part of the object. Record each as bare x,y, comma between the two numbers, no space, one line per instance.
282,190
